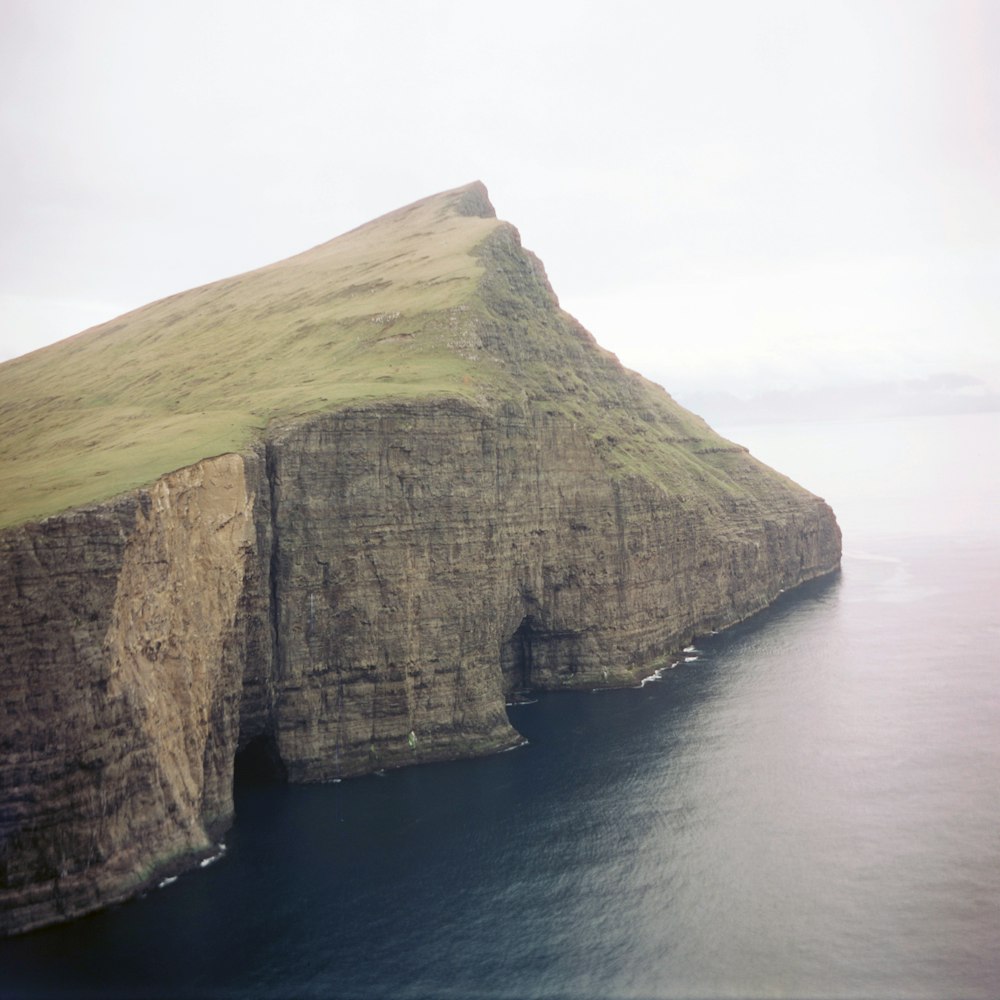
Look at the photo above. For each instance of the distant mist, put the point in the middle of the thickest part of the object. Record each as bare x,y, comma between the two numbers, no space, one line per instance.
941,393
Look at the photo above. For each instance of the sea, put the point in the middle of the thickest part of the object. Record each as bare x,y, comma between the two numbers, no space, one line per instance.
807,805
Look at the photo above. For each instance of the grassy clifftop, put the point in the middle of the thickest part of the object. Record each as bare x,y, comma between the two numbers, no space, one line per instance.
202,372
436,298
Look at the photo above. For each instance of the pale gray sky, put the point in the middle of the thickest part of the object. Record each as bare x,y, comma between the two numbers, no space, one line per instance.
738,195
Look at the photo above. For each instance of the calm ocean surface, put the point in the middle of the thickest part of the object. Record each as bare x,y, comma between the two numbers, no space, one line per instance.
809,807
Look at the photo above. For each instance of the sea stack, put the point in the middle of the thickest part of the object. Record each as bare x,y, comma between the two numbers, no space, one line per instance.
325,518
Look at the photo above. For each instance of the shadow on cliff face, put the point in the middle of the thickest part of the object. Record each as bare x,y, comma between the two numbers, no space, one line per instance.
259,763
516,657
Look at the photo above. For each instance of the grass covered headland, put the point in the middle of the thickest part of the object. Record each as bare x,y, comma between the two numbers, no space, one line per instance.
434,299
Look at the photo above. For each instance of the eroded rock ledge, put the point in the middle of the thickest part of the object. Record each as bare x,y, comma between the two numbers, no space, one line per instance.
364,590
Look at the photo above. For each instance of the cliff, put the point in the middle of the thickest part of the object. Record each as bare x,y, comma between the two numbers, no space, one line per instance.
430,489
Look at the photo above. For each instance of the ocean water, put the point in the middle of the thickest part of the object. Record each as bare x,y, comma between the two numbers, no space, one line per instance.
807,806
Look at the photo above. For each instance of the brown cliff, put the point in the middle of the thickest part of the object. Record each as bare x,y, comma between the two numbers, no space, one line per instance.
483,501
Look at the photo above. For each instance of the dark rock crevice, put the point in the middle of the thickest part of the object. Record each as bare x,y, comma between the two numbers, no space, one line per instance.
274,562
516,657
259,763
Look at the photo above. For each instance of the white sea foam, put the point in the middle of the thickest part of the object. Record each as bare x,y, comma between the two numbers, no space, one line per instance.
170,880
657,675
205,862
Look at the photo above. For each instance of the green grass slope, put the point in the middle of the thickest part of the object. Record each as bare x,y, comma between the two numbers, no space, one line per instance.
202,372
437,298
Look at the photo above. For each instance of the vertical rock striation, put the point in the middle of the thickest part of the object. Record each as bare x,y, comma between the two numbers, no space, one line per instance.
122,676
433,559
366,583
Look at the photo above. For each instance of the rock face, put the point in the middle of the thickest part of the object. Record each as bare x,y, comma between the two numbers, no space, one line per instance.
122,675
364,588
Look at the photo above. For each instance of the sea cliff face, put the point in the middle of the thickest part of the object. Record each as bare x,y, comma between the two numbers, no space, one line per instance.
122,675
431,560
366,594
365,587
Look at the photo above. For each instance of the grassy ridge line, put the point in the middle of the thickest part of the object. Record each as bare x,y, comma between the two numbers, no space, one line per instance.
372,314
434,299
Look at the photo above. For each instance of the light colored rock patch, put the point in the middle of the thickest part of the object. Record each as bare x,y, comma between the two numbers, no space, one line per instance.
173,617
122,664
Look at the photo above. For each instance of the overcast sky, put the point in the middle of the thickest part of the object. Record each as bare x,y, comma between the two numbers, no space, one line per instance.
741,195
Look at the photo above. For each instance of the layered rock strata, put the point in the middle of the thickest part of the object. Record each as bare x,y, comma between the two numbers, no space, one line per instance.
365,588
367,594
123,647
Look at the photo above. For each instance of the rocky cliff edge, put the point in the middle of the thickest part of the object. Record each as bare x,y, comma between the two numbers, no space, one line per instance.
492,504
